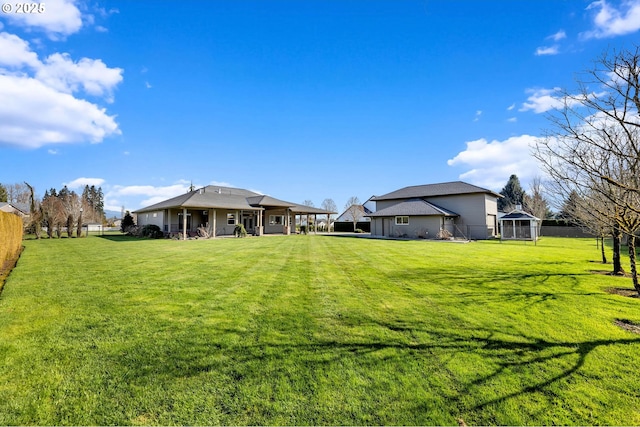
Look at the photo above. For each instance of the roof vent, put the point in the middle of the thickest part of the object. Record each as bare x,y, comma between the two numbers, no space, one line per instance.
518,207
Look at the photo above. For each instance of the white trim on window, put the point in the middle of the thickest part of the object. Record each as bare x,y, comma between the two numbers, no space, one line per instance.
231,219
402,220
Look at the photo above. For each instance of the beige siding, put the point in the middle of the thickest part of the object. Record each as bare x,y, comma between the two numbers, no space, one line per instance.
156,218
275,228
418,227
477,220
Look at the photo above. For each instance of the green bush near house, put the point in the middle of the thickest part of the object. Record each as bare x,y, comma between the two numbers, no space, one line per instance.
292,330
151,231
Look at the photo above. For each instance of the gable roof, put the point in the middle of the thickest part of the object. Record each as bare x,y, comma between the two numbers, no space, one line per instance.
433,190
518,214
413,207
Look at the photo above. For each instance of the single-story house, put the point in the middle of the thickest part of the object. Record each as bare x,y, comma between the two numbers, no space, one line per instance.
455,209
344,221
519,225
220,209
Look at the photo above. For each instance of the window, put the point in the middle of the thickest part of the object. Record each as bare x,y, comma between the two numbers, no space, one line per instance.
231,219
276,219
402,220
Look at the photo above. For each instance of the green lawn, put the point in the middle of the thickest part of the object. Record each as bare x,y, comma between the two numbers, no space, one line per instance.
318,330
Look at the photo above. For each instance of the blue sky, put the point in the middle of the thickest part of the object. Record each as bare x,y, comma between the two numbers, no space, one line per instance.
301,100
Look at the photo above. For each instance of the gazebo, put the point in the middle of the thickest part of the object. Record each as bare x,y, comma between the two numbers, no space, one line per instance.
519,225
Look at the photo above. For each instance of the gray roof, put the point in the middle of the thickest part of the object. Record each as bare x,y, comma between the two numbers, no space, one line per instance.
518,214
268,201
303,209
207,197
433,190
216,197
413,207
22,207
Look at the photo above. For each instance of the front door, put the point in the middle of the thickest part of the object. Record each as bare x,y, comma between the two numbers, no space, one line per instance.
247,221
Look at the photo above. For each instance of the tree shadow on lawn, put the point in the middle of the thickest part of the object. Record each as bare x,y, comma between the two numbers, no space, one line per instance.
532,363
123,238
489,286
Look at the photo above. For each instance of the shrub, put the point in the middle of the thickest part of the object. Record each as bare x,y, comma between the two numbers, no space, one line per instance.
240,231
151,231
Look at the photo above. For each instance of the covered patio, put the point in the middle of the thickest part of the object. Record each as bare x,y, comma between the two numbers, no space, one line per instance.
216,211
519,225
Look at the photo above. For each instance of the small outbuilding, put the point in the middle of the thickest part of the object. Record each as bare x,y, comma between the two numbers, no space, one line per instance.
519,225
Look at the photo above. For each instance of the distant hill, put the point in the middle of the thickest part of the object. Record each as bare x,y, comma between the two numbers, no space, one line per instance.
113,214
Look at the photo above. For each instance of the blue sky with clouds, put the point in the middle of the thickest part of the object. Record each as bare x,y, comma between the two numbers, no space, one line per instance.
301,100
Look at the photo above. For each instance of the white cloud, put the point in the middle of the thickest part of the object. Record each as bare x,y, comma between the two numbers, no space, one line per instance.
610,21
542,100
81,182
558,36
547,50
512,119
38,105
140,196
511,107
58,17
63,74
491,163
33,114
15,52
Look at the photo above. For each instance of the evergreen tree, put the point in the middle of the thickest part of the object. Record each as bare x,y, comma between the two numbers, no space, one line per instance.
571,208
513,195
127,222
4,197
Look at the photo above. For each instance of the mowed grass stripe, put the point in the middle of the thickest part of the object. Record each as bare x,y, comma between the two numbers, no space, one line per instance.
314,330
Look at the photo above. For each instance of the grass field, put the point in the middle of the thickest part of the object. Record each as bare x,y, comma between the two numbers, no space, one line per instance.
302,330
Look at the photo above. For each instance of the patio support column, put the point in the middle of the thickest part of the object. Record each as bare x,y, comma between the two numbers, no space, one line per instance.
315,223
214,223
259,231
184,223
169,221
287,222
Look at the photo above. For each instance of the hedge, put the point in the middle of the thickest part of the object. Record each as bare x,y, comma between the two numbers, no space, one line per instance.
10,242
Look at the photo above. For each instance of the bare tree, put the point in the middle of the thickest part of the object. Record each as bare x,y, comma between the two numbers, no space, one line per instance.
535,203
330,206
594,148
354,209
18,193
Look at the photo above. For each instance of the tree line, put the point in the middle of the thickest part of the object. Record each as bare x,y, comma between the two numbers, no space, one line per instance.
592,152
59,211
